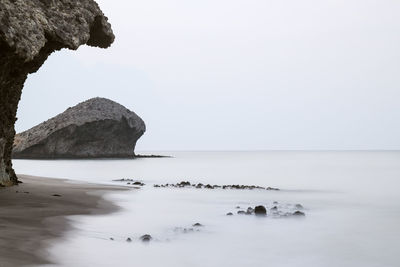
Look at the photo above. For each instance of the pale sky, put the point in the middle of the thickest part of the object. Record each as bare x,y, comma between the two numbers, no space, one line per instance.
239,75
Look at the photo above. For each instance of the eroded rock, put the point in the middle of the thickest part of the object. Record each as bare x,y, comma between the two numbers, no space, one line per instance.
29,32
96,128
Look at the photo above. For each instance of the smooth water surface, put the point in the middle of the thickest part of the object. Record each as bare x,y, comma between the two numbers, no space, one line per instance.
351,201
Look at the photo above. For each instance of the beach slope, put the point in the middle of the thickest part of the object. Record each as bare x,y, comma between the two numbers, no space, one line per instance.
34,212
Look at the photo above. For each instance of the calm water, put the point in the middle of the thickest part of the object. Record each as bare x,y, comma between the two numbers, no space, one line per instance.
351,200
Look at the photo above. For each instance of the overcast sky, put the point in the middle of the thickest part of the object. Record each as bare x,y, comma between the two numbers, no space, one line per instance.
239,75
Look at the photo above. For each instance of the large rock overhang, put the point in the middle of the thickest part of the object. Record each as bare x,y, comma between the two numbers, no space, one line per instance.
29,32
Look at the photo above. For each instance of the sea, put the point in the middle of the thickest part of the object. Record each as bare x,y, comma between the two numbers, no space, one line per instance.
351,202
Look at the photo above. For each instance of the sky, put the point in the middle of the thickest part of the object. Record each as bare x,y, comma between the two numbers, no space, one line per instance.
238,75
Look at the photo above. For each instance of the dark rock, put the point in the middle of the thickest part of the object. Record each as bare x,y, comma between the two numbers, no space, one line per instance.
272,188
260,210
129,239
197,225
299,213
209,186
95,128
274,208
146,238
241,212
138,183
111,238
229,214
238,207
29,32
56,195
183,184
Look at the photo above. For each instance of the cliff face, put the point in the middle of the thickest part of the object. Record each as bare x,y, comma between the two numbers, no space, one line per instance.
95,128
29,32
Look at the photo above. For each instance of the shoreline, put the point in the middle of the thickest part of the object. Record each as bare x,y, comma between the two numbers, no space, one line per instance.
35,212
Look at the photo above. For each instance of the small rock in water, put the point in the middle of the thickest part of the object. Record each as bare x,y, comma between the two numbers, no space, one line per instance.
129,239
274,208
272,188
241,212
238,207
299,213
111,238
146,238
229,214
260,210
56,195
249,211
299,206
197,225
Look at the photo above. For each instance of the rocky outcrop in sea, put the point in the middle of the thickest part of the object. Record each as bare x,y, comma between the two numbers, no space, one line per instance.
96,128
29,32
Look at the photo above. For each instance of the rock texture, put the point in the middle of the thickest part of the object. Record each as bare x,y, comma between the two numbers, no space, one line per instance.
29,32
95,128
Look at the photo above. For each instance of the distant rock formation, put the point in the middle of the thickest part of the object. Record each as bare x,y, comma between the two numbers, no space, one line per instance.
96,128
29,32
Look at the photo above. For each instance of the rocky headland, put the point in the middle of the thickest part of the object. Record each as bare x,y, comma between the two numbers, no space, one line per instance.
29,32
96,128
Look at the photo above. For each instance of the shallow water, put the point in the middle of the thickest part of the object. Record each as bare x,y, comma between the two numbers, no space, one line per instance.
351,202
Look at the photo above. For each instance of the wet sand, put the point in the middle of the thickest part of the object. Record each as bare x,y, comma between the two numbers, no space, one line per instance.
33,213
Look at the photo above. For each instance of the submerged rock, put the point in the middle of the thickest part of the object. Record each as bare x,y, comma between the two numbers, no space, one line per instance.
95,128
299,213
29,32
146,238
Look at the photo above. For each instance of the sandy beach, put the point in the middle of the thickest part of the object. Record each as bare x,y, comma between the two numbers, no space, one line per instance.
34,213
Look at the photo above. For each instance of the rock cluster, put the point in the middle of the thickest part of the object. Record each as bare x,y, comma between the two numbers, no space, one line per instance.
29,32
186,184
96,128
276,210
130,182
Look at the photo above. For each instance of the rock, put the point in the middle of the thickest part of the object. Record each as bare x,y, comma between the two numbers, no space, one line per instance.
260,210
298,206
197,225
95,128
299,213
183,184
249,211
241,212
29,32
229,214
274,208
146,238
111,238
129,239
272,188
138,183
238,207
56,195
